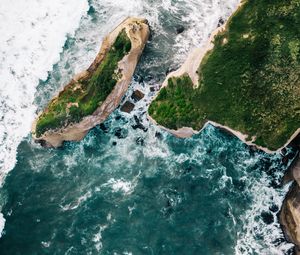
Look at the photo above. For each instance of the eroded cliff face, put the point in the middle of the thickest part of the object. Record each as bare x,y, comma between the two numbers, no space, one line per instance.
138,32
290,210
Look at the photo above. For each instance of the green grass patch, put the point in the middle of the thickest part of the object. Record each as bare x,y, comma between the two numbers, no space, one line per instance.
81,99
250,83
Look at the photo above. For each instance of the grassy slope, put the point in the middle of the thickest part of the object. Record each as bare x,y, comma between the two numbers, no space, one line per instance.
251,83
86,95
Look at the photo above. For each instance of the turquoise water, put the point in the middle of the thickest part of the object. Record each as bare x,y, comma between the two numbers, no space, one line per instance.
128,190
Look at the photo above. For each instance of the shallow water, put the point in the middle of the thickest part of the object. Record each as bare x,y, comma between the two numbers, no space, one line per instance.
145,192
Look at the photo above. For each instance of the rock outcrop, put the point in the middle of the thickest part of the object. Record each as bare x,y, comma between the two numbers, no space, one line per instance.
290,210
138,32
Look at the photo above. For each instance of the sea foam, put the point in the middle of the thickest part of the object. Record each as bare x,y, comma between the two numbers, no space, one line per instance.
33,34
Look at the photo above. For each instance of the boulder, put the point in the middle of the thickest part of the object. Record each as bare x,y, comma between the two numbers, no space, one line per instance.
137,95
127,107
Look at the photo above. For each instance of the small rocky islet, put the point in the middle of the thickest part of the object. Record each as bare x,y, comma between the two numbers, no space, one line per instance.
247,81
91,96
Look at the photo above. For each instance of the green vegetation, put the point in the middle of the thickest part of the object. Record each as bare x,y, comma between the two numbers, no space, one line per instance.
250,81
82,98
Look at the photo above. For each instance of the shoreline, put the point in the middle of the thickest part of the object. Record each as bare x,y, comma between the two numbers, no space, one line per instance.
190,67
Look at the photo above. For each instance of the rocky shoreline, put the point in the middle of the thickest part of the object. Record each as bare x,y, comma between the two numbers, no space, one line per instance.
138,32
290,211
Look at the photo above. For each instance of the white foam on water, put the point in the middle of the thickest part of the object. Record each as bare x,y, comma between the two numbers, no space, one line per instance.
33,33
120,185
257,237
74,205
97,239
2,223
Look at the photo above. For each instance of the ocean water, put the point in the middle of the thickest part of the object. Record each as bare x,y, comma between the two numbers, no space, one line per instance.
123,189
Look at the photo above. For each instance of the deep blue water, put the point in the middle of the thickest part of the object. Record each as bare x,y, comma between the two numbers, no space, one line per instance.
125,190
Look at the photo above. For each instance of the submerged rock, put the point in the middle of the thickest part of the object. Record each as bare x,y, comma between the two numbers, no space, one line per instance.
138,124
120,133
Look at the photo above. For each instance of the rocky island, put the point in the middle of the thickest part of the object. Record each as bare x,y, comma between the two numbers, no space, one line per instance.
91,96
245,80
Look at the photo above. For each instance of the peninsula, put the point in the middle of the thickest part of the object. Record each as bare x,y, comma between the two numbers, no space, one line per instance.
245,79
91,96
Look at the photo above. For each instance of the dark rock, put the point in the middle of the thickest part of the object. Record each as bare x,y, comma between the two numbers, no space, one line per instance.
137,95
127,107
120,133
114,143
139,141
103,127
158,135
221,22
139,125
278,241
267,217
274,208
118,117
209,151
152,89
179,29
283,151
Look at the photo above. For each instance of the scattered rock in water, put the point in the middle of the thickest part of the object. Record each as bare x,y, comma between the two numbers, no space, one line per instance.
221,22
274,208
278,241
127,107
103,127
114,143
120,133
137,95
152,89
140,141
252,149
267,217
283,151
118,117
179,29
139,125
158,135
